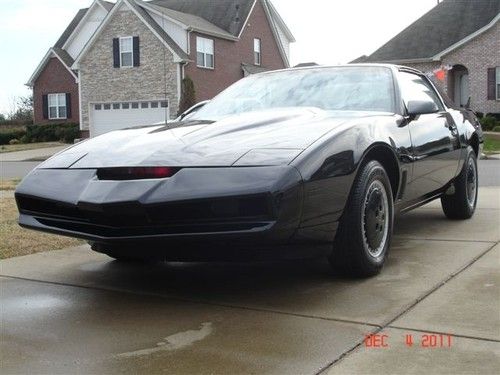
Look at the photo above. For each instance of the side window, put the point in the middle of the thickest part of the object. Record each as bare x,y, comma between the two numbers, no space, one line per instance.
414,87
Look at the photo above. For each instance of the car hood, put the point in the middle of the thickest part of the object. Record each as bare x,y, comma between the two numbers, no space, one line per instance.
272,137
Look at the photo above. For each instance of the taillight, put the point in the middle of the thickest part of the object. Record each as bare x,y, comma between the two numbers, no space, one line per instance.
135,173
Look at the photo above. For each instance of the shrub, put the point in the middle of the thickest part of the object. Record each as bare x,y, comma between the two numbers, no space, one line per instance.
497,129
52,132
7,136
14,141
488,122
495,115
15,123
188,96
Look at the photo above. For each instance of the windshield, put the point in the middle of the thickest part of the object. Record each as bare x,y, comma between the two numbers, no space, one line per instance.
331,89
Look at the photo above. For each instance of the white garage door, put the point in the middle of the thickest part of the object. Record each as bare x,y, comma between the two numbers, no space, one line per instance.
106,117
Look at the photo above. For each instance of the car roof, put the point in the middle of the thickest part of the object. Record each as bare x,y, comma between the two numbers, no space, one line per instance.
360,65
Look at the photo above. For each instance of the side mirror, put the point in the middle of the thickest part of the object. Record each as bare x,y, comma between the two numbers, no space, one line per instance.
421,107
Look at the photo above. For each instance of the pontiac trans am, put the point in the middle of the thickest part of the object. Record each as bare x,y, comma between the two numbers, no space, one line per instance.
300,162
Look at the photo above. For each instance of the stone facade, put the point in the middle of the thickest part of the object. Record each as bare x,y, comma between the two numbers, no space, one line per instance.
476,56
155,78
55,79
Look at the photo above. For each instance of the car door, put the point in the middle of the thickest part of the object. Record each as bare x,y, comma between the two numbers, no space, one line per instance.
434,137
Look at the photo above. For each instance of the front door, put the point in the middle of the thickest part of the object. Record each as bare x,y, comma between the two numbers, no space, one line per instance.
462,89
434,137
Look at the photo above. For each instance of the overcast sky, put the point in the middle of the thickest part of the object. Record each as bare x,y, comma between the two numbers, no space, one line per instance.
327,32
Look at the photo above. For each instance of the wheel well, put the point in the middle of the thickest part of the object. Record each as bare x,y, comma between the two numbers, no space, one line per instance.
474,142
386,157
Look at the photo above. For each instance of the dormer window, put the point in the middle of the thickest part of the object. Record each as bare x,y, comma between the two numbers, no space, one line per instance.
257,57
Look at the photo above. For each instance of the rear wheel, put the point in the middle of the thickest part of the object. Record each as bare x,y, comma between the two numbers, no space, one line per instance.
462,203
365,231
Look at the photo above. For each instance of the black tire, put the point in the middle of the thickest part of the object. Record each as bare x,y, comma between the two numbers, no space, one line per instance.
461,205
364,235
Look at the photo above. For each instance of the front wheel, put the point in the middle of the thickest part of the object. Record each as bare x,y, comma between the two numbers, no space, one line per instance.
462,203
365,231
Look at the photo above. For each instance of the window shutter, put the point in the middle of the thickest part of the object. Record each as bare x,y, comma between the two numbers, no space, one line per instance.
137,54
68,105
116,52
492,83
45,106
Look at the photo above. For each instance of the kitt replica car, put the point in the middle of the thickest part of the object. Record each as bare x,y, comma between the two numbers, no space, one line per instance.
301,162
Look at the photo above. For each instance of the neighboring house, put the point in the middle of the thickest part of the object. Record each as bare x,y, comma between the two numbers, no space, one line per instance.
54,82
123,64
458,41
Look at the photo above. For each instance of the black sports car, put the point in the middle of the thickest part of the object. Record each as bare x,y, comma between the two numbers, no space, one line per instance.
311,161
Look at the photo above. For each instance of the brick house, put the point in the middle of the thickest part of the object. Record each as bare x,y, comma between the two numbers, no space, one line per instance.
457,42
121,65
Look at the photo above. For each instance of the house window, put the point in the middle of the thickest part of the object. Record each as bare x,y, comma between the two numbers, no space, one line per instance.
257,57
126,52
204,53
57,106
498,82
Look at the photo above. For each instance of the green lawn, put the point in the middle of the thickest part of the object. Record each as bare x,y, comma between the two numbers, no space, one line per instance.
16,241
28,146
491,145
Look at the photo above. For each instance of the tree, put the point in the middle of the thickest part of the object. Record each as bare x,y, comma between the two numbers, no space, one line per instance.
188,96
24,109
2,118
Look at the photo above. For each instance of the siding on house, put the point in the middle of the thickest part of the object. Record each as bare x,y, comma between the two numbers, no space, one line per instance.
55,78
155,78
477,56
85,31
229,56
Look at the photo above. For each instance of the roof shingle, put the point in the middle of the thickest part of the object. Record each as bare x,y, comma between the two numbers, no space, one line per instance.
440,28
222,13
71,27
159,30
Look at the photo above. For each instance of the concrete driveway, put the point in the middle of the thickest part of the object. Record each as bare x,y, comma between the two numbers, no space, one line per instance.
73,311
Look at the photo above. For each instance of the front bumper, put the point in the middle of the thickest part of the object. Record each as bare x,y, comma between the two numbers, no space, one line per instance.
195,207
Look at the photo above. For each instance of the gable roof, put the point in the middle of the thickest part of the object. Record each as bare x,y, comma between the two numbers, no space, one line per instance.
222,13
145,17
71,27
54,52
64,56
157,29
107,5
188,21
444,26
